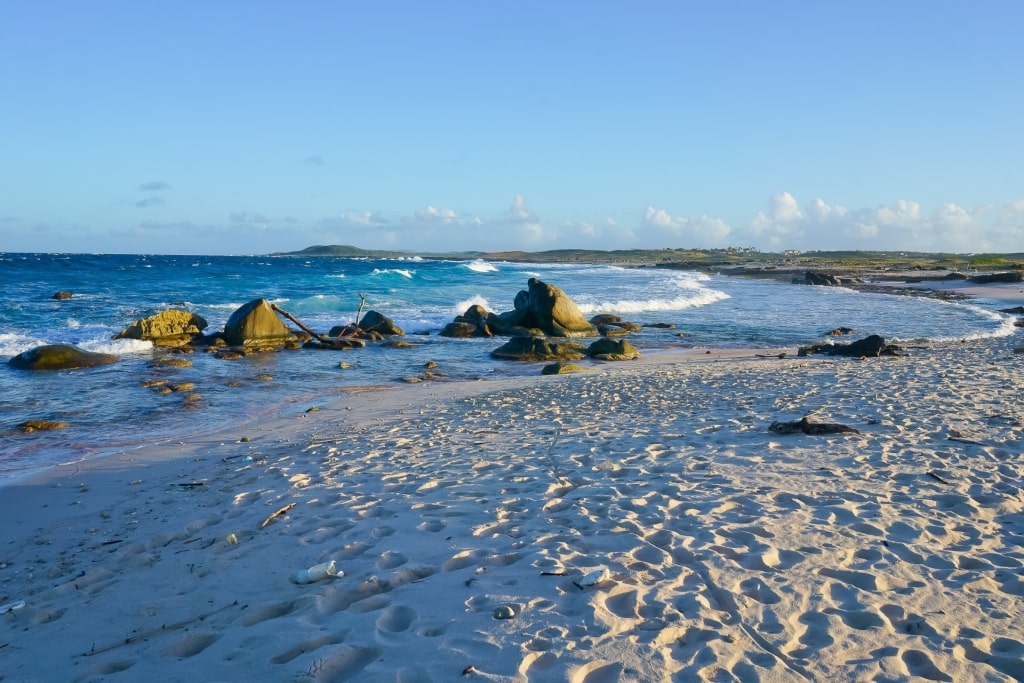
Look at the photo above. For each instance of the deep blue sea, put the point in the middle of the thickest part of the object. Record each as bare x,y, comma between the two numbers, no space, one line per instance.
109,409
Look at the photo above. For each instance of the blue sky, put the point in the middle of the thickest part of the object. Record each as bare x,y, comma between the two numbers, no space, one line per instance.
252,127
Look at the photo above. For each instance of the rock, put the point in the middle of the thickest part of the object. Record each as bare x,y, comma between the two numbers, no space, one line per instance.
41,425
989,278
60,296
459,330
562,369
1018,310
538,348
869,347
59,357
606,320
660,326
807,427
379,323
168,328
256,324
505,612
822,279
839,332
612,349
546,308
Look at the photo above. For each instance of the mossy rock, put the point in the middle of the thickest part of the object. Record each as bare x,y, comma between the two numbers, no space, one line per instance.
562,369
59,357
612,349
538,348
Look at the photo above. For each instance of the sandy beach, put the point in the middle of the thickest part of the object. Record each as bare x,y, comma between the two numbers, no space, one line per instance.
638,522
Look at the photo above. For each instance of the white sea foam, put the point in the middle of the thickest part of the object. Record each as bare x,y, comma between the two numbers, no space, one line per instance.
117,347
697,299
404,272
481,266
478,300
13,344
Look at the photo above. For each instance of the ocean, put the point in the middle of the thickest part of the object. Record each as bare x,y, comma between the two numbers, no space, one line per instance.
109,410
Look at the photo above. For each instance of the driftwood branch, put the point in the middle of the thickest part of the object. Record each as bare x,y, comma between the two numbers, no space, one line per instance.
275,514
148,634
295,320
362,302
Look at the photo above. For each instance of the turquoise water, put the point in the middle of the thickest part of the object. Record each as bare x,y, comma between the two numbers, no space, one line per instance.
108,409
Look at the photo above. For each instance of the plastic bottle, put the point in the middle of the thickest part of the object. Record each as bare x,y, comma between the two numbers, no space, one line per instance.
317,572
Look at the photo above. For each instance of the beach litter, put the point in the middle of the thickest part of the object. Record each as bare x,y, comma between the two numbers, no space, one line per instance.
595,578
318,572
12,606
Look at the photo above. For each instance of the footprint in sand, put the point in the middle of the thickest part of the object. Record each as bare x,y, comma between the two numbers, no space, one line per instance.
390,559
191,644
307,646
396,619
115,667
348,664
919,664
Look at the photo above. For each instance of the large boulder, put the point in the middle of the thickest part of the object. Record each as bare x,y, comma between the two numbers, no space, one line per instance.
167,328
538,348
59,357
548,309
822,279
256,323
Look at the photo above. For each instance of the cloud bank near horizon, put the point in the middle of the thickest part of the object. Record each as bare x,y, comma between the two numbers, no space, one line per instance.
783,224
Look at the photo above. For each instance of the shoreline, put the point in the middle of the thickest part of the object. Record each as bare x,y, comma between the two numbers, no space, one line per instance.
728,550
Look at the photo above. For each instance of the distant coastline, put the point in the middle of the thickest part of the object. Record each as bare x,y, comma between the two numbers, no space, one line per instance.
892,265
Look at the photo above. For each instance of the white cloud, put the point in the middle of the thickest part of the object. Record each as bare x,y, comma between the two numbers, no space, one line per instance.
430,214
696,230
902,225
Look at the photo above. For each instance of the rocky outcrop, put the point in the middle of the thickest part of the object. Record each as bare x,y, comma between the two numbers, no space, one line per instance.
996,278
256,324
545,308
59,357
62,295
822,279
538,348
869,347
168,328
839,332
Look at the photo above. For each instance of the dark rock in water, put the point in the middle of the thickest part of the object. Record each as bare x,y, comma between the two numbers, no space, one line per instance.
460,330
869,347
538,348
60,296
59,357
990,278
660,326
807,427
546,308
255,323
562,369
606,320
613,349
167,328
822,279
839,332
380,323
1018,310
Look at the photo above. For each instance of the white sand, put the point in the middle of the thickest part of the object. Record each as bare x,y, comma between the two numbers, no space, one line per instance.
734,554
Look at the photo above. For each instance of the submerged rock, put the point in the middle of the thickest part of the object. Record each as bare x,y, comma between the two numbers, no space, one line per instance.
59,357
